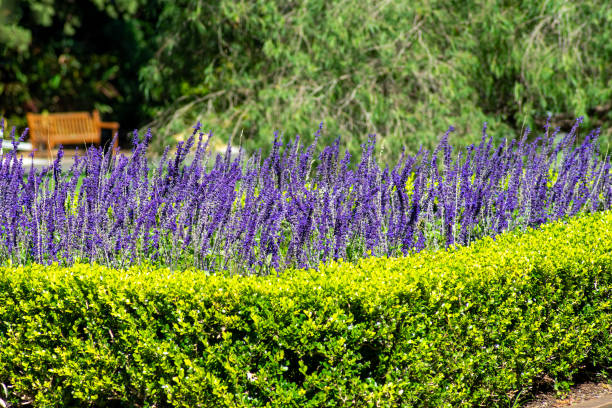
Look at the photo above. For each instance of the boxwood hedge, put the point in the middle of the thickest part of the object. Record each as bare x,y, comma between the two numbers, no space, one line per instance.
472,326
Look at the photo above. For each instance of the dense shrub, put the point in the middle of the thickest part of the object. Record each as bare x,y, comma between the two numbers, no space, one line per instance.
292,209
402,70
470,327
62,56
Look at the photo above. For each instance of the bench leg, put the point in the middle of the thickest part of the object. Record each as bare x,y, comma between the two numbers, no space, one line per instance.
116,144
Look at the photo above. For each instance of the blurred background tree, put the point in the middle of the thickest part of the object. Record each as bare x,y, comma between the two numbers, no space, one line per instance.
58,55
402,70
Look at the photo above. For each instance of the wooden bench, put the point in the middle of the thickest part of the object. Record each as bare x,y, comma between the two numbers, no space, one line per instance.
52,129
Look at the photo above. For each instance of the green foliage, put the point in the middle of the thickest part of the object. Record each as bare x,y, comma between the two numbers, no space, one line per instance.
63,56
403,70
472,326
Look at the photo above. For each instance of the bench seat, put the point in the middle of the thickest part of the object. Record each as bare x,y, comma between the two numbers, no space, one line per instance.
52,129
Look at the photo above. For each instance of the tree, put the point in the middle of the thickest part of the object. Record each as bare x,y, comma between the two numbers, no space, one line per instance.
403,70
69,55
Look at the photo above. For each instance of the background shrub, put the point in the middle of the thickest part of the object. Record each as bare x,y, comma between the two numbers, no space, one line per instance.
405,71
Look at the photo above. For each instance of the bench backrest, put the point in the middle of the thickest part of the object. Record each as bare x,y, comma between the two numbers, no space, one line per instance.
69,128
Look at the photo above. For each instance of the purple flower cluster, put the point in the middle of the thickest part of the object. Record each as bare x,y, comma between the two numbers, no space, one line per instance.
293,208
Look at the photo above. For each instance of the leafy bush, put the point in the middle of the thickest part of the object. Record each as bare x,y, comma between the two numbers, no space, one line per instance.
292,209
402,70
60,56
469,327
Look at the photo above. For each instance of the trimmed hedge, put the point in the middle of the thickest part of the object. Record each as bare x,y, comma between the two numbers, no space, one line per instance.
474,326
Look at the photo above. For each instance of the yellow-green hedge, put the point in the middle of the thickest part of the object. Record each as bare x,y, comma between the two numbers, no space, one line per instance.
470,327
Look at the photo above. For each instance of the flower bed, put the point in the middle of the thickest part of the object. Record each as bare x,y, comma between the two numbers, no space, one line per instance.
361,285
293,209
